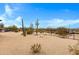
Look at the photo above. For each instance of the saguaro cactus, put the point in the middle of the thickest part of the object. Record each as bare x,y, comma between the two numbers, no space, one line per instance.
23,29
37,24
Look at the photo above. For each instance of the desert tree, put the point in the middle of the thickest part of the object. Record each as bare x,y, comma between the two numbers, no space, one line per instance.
1,24
13,28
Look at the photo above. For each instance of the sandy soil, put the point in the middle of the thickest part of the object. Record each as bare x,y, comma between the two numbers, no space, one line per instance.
15,44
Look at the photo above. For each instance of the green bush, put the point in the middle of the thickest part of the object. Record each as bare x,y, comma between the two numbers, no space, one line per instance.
12,28
36,48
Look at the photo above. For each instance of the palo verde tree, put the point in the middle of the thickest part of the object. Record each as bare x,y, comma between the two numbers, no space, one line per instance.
12,28
37,24
1,24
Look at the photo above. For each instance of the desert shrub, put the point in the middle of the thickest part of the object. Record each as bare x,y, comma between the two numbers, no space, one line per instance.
74,50
62,31
36,48
40,30
29,31
50,30
12,28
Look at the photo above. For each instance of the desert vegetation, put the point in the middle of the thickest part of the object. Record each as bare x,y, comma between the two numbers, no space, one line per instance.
23,28
50,29
62,31
36,48
37,24
74,49
51,43
11,28
30,30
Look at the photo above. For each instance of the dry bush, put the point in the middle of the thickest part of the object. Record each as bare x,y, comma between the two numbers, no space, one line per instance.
62,31
74,49
36,48
50,30
29,31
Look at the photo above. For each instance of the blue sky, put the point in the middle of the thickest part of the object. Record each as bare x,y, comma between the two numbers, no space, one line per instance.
49,14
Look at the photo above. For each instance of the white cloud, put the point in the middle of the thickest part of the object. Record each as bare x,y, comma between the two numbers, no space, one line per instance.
16,22
18,18
8,12
59,22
